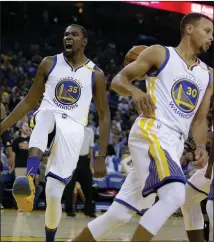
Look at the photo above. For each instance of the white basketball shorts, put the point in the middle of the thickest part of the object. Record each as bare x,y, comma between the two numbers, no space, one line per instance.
64,144
156,151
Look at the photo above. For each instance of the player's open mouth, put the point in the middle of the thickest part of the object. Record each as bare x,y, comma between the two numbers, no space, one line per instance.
68,46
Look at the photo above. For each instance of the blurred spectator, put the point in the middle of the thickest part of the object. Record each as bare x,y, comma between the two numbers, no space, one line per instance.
91,122
123,106
126,164
6,140
187,160
77,193
112,162
96,147
42,167
20,148
39,189
118,143
42,179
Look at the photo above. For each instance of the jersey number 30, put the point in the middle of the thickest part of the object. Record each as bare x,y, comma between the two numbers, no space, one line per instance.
191,92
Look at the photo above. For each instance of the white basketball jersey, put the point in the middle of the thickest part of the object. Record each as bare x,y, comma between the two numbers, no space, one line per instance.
68,91
177,90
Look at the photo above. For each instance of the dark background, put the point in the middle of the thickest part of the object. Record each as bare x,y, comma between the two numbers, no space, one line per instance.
123,24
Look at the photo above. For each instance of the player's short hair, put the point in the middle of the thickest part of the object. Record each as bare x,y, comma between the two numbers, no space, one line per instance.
191,18
83,30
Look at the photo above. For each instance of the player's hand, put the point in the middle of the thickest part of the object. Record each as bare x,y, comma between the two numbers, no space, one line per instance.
143,103
100,167
201,158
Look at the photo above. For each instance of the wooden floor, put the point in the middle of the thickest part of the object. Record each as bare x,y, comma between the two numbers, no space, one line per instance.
16,226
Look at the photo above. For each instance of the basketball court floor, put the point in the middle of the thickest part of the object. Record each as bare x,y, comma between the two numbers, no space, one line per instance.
16,226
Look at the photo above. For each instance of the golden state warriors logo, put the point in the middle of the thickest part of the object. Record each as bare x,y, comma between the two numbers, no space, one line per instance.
185,95
67,92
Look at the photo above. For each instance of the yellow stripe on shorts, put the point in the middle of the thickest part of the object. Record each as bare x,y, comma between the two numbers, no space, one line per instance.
151,89
156,151
32,122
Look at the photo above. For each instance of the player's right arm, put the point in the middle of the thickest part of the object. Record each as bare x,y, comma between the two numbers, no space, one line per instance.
152,57
33,96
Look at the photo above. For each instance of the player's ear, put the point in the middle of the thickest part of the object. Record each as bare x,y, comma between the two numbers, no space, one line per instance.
85,41
189,28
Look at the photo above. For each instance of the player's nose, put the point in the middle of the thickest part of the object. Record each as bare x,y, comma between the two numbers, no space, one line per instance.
68,37
211,38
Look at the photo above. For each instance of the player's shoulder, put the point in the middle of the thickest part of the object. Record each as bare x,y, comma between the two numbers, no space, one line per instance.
98,73
157,49
155,52
48,59
47,62
204,65
98,70
211,71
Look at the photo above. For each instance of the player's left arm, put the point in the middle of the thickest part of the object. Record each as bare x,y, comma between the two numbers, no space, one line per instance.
100,99
200,122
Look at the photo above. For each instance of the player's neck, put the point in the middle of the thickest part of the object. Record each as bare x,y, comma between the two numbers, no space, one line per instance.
187,51
76,60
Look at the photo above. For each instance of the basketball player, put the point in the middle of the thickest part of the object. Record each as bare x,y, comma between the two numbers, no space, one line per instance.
179,90
67,81
197,189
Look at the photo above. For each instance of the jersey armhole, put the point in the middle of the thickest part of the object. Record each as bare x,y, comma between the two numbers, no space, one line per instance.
155,74
209,74
93,78
52,67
